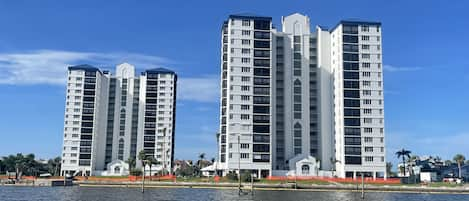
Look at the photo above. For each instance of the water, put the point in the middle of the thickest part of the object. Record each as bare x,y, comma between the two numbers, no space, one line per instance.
177,194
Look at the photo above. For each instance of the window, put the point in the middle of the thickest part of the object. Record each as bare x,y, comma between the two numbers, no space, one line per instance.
367,111
366,101
365,29
245,69
245,23
244,116
366,65
368,139
245,42
365,37
244,146
365,47
369,158
367,120
367,92
244,88
244,97
366,83
245,51
365,56
244,155
245,60
245,107
245,32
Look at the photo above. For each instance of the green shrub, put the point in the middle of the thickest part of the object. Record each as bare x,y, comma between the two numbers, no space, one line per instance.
136,172
232,176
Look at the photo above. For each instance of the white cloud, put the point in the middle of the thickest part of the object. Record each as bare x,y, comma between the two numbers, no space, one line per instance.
201,89
50,66
400,69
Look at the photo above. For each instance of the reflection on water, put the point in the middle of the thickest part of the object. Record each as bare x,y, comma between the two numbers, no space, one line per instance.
177,194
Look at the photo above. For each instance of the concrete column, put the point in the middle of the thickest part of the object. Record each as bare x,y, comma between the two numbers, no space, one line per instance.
385,175
374,175
354,175
259,173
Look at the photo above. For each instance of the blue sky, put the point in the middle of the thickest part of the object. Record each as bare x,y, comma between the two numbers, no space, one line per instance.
426,74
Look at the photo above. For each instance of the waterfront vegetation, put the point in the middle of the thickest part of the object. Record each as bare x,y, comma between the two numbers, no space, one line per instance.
27,165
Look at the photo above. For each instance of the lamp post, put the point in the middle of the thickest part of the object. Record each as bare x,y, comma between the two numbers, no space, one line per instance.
239,157
164,150
239,165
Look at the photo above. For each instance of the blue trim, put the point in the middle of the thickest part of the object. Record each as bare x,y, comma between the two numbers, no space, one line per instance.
85,67
160,70
356,22
249,16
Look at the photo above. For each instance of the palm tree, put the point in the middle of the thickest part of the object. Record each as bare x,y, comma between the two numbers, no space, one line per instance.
151,161
389,168
201,159
459,159
403,153
142,156
131,161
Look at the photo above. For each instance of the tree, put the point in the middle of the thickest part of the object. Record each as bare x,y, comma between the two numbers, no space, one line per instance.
459,159
448,162
131,161
389,168
142,156
1,166
200,162
403,153
151,161
53,166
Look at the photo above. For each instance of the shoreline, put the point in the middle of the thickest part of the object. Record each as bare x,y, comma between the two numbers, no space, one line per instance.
281,187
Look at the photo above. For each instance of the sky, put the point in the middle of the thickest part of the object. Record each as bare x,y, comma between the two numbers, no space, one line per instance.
426,76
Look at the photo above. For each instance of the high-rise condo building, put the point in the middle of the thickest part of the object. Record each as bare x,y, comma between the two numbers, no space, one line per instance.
297,102
111,118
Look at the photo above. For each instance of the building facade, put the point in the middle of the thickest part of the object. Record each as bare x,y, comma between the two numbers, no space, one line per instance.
246,94
286,96
113,117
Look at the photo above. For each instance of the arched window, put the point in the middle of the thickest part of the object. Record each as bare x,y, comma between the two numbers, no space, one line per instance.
117,170
305,169
120,154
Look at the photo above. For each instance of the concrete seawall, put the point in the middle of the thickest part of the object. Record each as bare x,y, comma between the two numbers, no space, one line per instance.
299,187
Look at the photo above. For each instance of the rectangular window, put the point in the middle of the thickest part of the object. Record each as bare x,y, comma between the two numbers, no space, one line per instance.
366,38
245,42
365,28
368,149
368,139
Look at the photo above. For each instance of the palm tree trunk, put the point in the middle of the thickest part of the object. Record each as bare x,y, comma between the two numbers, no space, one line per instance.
459,168
403,162
150,172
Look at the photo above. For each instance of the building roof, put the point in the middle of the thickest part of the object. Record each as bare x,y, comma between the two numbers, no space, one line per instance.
85,67
250,16
356,22
160,70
